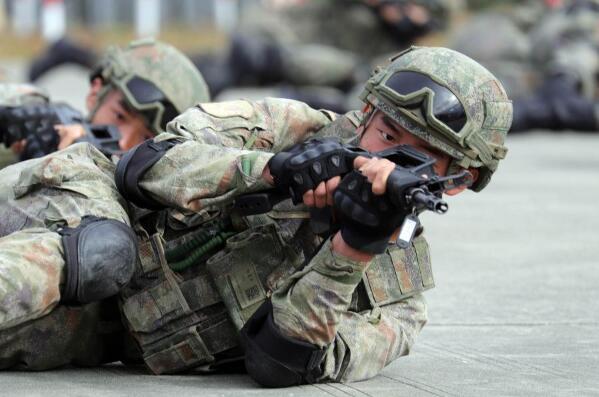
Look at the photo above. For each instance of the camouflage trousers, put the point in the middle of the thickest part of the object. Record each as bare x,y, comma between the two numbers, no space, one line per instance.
84,335
37,198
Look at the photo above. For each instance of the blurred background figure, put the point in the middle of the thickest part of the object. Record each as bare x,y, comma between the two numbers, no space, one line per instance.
317,51
314,51
565,51
546,53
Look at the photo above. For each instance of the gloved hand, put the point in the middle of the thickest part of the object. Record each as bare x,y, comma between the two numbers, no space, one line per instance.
367,220
304,166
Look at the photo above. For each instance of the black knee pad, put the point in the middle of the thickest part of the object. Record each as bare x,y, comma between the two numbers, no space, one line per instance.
100,256
275,360
132,167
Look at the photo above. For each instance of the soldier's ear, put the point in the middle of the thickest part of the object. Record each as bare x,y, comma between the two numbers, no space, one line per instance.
91,100
454,191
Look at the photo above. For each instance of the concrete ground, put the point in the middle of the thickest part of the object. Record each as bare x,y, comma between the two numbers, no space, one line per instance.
515,310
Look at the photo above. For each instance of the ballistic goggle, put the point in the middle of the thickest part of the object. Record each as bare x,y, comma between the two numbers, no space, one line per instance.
149,100
438,106
143,95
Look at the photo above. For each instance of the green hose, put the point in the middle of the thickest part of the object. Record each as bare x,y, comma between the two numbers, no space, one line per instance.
181,250
199,239
194,256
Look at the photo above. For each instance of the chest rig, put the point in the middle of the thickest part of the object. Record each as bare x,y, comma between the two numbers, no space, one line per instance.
196,284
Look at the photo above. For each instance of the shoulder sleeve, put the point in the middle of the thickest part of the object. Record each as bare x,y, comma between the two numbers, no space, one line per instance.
271,124
227,145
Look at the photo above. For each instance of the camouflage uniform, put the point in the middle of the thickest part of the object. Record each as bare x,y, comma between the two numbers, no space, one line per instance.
359,316
219,173
203,271
40,197
362,331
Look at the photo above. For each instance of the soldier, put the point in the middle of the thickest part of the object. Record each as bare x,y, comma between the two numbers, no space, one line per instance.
309,309
132,88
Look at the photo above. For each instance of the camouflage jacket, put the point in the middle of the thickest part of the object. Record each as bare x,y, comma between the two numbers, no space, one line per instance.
186,314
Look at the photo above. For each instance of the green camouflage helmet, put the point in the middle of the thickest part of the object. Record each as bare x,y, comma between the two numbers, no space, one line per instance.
450,101
155,78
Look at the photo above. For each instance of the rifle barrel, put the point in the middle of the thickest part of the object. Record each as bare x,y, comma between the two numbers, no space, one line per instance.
430,201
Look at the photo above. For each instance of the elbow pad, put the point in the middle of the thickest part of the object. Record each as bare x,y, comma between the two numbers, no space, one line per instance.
132,167
100,256
275,360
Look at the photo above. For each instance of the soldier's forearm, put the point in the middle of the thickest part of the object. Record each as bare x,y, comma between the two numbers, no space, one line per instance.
310,306
372,339
194,176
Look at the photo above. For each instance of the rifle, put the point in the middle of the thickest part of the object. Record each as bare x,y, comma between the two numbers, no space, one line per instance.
35,123
425,196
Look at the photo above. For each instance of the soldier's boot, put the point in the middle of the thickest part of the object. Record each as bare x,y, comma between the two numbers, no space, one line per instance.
100,256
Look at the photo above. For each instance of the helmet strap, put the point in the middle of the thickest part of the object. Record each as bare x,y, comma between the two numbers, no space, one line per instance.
367,115
101,97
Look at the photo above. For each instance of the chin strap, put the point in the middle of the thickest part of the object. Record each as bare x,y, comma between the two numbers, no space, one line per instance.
102,93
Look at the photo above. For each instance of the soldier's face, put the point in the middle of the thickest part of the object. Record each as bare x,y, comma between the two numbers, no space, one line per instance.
132,126
383,133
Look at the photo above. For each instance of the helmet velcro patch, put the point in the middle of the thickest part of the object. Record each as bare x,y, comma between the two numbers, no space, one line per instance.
498,115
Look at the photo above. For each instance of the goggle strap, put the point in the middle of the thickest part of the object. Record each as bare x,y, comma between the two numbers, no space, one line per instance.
476,142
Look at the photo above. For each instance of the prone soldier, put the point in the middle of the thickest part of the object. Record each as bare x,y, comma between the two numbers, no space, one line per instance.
304,50
133,89
309,308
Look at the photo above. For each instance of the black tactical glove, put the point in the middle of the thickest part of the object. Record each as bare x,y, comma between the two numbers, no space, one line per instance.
367,220
12,120
29,122
303,166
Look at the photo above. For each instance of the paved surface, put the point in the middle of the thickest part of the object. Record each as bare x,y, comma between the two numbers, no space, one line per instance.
515,310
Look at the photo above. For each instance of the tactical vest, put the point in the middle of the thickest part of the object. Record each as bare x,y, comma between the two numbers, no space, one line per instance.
199,279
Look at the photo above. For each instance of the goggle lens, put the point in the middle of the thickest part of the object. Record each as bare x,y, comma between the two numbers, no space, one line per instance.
145,92
446,107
